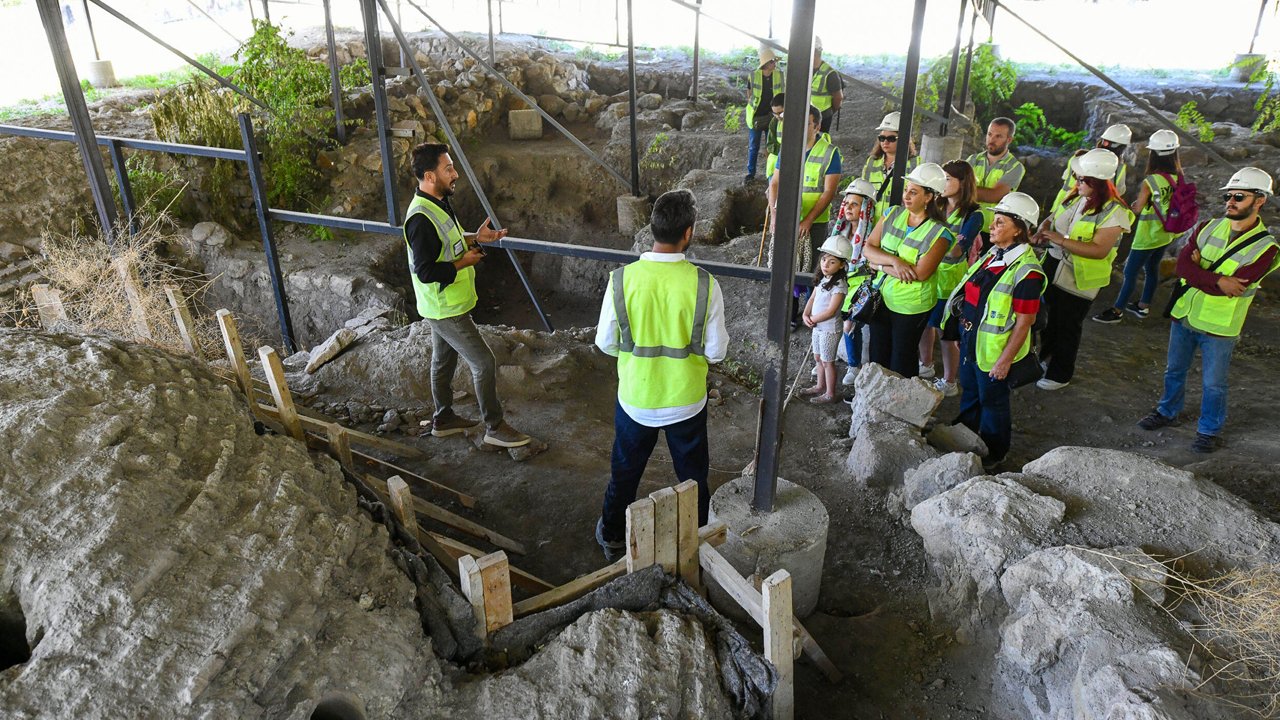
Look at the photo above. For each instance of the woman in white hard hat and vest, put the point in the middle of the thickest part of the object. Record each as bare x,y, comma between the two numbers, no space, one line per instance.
1115,138
905,248
884,152
1150,239
1082,238
995,306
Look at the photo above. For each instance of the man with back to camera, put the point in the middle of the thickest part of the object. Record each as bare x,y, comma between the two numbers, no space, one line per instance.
442,264
663,318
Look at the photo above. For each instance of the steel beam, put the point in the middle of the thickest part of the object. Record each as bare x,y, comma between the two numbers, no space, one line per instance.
73,94
787,221
259,186
492,57
126,187
93,37
631,98
1257,27
377,73
968,64
909,82
697,38
951,72
335,79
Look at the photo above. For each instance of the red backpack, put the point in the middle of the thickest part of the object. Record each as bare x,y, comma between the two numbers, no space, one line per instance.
1183,211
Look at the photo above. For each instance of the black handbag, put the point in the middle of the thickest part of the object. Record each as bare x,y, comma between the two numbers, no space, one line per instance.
1024,371
867,303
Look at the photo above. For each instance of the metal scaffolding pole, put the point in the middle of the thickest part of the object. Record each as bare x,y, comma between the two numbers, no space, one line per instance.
631,97
377,74
492,57
787,221
335,81
93,37
968,63
951,72
909,82
266,12
697,41
73,94
1257,28
259,186
126,187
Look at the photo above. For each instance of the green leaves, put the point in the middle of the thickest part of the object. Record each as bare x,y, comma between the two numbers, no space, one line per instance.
1193,121
1035,129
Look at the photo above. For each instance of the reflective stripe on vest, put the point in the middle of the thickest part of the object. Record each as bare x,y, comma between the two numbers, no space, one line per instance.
757,89
1220,314
459,296
998,318
873,171
951,270
910,244
1093,273
813,183
819,93
988,177
658,304
1148,231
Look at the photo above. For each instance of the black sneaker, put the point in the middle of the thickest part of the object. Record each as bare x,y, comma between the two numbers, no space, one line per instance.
1154,421
1136,311
614,550
1206,443
1110,316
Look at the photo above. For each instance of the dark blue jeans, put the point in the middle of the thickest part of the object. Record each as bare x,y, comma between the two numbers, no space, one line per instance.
1140,261
984,406
633,443
753,150
1215,361
853,344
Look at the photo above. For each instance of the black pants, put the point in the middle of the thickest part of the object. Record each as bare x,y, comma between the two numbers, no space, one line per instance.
1060,340
895,341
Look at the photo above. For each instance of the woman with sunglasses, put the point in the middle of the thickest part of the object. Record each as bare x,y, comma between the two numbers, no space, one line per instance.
1150,239
1082,237
879,165
964,218
1115,138
905,248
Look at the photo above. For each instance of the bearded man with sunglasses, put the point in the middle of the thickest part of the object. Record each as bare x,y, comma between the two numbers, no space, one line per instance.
1219,271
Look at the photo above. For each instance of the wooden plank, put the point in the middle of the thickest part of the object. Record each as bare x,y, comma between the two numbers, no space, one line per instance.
495,577
402,503
473,590
235,354
48,305
466,500
687,534
665,527
457,522
778,641
340,445
315,424
639,534
280,391
182,318
571,590
520,578
133,295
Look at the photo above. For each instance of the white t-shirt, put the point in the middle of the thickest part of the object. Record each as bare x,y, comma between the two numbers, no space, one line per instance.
822,301
1065,277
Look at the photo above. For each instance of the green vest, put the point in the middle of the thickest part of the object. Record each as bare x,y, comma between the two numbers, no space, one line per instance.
998,317
819,93
1069,182
1149,232
1091,273
951,270
910,244
988,176
459,296
757,88
773,141
815,173
1219,314
874,172
662,309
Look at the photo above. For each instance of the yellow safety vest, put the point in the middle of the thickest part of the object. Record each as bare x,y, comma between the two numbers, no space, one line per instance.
813,184
1069,182
1148,231
459,296
998,317
988,176
663,309
771,162
951,270
757,89
874,172
819,93
910,244
1091,273
1220,314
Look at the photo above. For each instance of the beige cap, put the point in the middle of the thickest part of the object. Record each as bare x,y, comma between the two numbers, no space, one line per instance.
767,55
817,43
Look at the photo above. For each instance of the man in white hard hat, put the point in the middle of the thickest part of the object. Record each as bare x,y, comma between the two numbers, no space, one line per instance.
1219,270
826,89
763,84
996,170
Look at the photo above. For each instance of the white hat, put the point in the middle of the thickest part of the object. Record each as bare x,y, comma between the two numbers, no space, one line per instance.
837,245
1250,178
929,175
1163,142
1098,163
860,186
817,43
1021,206
890,122
767,55
1120,134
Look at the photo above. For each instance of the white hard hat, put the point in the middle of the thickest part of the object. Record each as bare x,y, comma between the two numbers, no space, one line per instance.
890,122
817,43
929,175
1120,134
1163,142
838,246
767,55
860,186
1250,178
1021,206
1098,163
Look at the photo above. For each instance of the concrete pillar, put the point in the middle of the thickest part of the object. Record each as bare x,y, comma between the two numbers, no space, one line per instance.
101,74
792,537
633,214
941,150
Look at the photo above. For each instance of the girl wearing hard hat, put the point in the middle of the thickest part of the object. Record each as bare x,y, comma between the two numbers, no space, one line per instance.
905,248
1150,239
1082,237
856,221
884,152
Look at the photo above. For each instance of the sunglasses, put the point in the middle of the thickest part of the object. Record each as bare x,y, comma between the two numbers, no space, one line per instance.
1238,197
888,138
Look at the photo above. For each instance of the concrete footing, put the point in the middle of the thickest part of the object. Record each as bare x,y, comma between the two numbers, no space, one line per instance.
633,214
941,150
792,537
524,125
101,74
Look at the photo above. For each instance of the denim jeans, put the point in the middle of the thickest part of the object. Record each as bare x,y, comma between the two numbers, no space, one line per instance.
633,443
1139,261
853,344
984,406
753,150
1215,360
456,336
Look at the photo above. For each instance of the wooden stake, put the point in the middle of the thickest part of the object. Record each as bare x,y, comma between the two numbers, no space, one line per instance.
439,514
340,445
764,231
280,391
129,276
235,354
687,534
778,635
473,589
640,534
520,578
402,503
666,524
487,584
48,305
182,318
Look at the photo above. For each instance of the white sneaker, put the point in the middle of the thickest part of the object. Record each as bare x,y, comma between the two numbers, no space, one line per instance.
814,372
927,372
850,375
1047,384
948,389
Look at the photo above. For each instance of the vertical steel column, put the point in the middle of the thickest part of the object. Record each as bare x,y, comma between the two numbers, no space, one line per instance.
908,100
93,38
335,81
259,186
781,277
1257,28
631,97
697,32
968,64
491,56
951,72
377,73
266,12
73,94
126,187
617,22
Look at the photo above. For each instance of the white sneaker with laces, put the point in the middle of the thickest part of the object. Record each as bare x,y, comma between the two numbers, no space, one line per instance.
927,372
948,389
850,375
1047,384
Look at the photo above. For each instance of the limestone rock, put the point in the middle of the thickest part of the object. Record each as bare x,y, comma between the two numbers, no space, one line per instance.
649,101
911,400
956,438
211,233
885,451
573,112
11,253
552,104
936,476
693,121
330,348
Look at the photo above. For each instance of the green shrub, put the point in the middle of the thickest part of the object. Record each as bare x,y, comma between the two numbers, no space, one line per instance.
1191,120
156,192
1034,129
660,155
733,118
991,83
